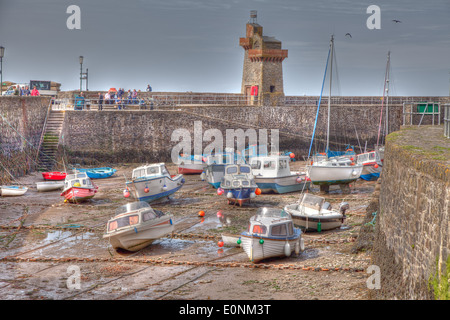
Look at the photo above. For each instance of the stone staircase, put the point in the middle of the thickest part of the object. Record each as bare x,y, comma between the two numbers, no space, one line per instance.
50,142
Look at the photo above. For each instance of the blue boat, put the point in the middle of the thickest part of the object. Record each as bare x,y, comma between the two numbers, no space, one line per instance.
238,184
215,166
98,173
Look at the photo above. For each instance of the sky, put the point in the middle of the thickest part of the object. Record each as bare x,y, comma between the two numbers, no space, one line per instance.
193,45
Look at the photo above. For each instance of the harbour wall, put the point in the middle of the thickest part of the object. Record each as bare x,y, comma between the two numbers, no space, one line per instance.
146,136
411,242
21,128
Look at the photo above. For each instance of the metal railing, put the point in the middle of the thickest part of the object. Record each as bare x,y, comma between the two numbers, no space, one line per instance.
447,120
411,111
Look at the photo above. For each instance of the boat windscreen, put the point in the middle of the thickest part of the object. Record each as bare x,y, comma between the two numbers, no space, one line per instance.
245,169
123,222
313,201
132,206
272,212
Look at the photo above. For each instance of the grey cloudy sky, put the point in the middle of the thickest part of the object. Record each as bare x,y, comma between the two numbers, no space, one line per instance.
193,45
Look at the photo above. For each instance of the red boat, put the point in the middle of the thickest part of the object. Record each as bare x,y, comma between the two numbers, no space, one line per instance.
54,175
78,188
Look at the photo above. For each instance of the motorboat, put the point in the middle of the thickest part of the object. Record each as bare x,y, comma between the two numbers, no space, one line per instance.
152,182
44,186
238,184
332,171
191,164
54,175
271,233
98,173
273,175
12,191
215,166
78,187
314,213
136,225
372,165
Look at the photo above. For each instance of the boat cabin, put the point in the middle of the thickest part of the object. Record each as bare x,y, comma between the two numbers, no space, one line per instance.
238,176
132,214
271,166
369,157
312,204
150,170
79,179
271,222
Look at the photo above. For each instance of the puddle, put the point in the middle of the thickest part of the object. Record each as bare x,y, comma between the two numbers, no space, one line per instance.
66,236
205,223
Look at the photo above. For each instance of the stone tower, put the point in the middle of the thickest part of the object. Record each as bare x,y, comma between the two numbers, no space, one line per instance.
262,79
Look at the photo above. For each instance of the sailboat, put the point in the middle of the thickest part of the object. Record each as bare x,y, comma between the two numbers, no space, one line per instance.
372,161
324,170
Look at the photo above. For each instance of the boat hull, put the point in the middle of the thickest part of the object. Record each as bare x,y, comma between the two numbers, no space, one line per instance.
158,187
98,173
77,194
328,175
230,240
49,185
193,168
240,196
281,184
12,191
271,247
137,238
311,221
54,175
370,173
214,174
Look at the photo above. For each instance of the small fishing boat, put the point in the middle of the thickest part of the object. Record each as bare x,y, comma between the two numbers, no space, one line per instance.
238,184
136,225
314,213
152,182
215,166
372,165
78,187
44,186
273,175
191,164
271,233
54,175
332,171
98,173
12,191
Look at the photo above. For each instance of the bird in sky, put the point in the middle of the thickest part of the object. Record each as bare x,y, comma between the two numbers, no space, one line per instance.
396,21
348,34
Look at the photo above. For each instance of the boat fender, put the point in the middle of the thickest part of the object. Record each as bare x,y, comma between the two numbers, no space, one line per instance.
302,244
297,247
229,195
135,230
146,189
252,195
287,249
354,172
164,188
170,221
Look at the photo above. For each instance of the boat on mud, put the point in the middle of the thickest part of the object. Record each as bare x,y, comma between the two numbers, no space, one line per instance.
314,213
238,184
215,166
372,165
98,173
273,175
191,164
271,233
78,187
136,225
54,175
152,182
44,186
12,191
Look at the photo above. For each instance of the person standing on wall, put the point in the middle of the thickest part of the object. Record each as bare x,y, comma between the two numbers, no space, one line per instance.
100,101
149,89
35,92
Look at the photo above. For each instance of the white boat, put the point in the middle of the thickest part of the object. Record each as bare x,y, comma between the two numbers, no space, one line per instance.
273,175
215,166
49,185
12,191
153,181
191,164
136,225
372,165
271,233
313,213
331,171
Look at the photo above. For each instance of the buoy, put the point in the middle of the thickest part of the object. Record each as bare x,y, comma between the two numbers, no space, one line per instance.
287,249
299,179
219,214
126,193
220,243
258,191
352,164
352,158
201,213
220,191
146,189
375,166
319,226
261,241
292,155
239,241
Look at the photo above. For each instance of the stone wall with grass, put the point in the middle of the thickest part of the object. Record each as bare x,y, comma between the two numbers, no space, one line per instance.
21,123
412,245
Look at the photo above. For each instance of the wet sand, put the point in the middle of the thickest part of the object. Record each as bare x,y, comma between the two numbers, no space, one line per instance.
43,239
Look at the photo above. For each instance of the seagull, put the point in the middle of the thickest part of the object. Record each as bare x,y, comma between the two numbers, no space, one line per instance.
396,21
348,34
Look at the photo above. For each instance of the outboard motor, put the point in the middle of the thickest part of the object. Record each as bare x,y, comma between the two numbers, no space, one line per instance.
344,206
327,206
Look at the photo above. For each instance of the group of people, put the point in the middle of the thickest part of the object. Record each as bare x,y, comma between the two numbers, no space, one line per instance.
25,91
120,98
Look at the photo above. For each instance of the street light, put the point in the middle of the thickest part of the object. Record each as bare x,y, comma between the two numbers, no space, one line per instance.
81,71
2,53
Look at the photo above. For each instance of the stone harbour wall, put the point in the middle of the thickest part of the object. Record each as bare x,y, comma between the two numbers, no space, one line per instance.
413,220
20,132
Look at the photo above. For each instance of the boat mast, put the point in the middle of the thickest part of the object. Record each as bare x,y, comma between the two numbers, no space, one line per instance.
387,92
329,96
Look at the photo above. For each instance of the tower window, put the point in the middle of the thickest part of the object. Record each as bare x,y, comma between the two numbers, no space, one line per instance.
272,88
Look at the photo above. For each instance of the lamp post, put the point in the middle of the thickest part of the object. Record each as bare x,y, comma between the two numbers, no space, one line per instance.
2,53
